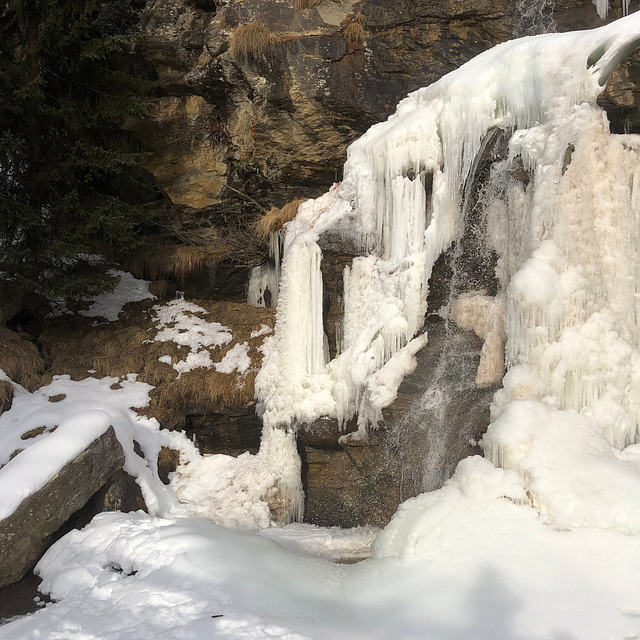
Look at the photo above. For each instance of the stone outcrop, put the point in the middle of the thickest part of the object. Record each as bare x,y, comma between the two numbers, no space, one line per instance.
437,420
26,533
275,122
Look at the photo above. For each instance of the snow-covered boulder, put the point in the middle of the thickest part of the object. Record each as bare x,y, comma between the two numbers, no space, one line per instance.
48,482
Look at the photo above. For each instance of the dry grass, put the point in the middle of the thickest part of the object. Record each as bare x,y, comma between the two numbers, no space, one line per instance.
20,359
180,261
275,218
6,395
124,347
355,33
251,41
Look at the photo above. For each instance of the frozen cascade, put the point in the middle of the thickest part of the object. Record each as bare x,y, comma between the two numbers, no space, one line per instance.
264,281
568,267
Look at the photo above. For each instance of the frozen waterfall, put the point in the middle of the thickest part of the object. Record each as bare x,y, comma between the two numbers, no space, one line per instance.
567,238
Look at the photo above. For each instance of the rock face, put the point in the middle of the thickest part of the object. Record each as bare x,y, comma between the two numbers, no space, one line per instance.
240,119
26,533
232,431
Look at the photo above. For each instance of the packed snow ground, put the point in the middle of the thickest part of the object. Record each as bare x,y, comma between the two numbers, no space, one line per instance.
539,539
467,561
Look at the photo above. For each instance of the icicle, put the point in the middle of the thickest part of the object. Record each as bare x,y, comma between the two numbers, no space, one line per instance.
264,280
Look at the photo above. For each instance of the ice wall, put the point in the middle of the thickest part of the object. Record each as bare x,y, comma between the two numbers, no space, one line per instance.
567,241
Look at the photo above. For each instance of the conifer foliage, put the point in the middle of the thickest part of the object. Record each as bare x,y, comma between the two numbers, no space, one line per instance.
71,182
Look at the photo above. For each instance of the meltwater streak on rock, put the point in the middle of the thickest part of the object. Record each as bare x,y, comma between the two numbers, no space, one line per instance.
440,413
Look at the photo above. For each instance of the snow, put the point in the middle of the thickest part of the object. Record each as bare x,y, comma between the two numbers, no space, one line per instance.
236,359
330,543
262,331
467,561
110,305
28,472
177,321
180,322
111,397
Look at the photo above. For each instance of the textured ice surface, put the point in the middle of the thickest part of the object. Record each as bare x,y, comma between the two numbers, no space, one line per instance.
567,243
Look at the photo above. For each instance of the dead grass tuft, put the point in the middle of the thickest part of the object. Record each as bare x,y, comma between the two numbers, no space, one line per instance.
355,33
251,41
20,359
6,395
33,433
275,218
180,261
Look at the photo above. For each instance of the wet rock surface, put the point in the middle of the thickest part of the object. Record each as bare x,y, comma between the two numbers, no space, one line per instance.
437,420
20,598
232,431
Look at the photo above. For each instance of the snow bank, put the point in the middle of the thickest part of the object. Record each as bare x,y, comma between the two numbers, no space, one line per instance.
468,561
110,397
27,473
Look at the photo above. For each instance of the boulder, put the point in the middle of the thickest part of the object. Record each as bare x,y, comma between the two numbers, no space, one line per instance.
26,533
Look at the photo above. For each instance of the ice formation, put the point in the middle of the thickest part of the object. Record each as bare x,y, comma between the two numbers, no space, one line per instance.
264,281
567,240
602,7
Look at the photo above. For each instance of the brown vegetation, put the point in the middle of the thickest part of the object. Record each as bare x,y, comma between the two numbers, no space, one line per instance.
6,395
32,433
251,41
179,261
355,33
20,359
275,218
117,349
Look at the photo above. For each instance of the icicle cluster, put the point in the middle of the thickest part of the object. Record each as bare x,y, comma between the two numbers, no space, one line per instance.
264,281
602,7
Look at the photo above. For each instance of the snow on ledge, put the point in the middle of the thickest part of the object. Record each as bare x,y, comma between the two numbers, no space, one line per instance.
28,472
